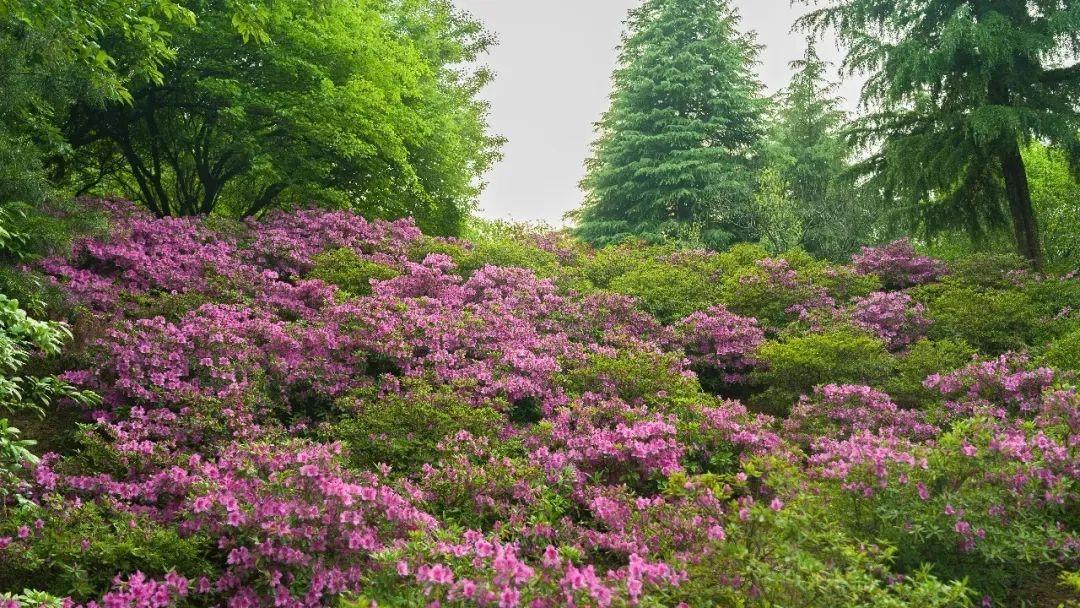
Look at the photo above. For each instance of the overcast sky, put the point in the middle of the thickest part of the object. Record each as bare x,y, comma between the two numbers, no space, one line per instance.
553,70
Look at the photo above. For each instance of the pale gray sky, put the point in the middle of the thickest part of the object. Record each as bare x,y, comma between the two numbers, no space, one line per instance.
553,75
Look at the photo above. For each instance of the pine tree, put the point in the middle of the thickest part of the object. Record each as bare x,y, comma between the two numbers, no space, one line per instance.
957,88
673,156
808,150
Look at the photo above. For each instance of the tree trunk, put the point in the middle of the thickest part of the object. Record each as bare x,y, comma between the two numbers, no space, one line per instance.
1025,224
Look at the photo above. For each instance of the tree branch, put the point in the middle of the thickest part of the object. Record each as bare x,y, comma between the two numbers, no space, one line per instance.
1059,75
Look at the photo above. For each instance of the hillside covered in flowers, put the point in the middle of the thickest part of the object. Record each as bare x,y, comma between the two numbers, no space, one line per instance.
312,409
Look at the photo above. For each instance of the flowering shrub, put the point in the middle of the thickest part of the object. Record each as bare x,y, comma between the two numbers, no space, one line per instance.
839,412
893,317
995,387
898,265
311,409
719,341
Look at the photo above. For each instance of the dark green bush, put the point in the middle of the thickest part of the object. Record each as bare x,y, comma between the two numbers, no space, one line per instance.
992,321
989,270
794,366
352,274
404,429
924,358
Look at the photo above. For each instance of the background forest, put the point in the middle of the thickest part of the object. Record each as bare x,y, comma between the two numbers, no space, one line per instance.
259,349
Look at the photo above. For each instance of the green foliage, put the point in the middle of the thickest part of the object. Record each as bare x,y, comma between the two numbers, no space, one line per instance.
30,597
991,320
1070,581
672,157
753,290
637,376
207,105
1014,551
404,430
667,290
1063,353
1054,303
989,270
22,337
605,265
807,164
344,268
805,555
957,88
781,225
1055,192
924,358
79,550
55,53
28,233
794,366
510,252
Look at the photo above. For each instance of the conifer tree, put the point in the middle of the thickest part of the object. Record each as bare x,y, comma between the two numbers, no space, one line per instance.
956,89
673,154
808,150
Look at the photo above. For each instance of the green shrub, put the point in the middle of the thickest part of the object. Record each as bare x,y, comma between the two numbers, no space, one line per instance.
636,377
30,232
426,245
992,321
403,430
1063,353
768,294
667,291
509,253
608,264
344,268
22,338
805,555
989,270
794,366
79,549
1056,303
924,358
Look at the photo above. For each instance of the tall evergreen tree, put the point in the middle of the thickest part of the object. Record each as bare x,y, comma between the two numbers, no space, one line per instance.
674,149
956,89
807,149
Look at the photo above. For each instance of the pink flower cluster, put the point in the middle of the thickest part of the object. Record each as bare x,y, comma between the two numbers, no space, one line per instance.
840,411
717,339
898,265
497,576
995,387
892,316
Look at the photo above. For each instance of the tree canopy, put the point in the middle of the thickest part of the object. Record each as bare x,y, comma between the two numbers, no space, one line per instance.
237,107
956,89
807,157
673,154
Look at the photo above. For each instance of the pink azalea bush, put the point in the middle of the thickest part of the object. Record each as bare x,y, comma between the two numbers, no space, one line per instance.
892,316
721,341
527,438
898,265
